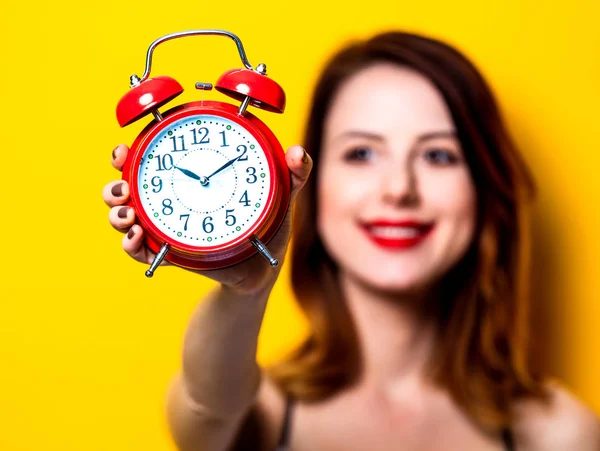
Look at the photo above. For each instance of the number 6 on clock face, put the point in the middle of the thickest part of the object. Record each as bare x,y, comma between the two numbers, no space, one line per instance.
190,202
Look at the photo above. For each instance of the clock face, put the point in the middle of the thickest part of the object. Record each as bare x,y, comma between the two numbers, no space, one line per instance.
204,180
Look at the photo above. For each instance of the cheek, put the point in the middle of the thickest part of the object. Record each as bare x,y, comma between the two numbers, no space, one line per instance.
341,198
340,194
449,191
452,198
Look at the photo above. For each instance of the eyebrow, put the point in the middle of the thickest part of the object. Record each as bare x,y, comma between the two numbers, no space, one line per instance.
420,138
437,134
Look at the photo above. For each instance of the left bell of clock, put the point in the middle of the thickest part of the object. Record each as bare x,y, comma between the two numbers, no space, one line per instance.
145,97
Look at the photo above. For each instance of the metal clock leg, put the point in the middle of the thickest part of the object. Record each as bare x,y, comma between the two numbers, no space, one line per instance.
262,250
158,260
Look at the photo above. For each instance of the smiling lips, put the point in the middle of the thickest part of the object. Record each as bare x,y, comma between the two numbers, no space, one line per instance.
397,234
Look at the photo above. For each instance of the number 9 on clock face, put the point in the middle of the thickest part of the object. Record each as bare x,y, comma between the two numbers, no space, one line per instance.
204,181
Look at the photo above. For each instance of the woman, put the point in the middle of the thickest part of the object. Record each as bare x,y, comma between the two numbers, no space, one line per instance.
410,260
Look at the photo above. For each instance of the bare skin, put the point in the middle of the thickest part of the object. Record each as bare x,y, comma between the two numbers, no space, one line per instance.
387,113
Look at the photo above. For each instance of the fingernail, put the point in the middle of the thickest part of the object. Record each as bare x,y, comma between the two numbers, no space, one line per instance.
304,157
122,213
117,190
114,153
130,233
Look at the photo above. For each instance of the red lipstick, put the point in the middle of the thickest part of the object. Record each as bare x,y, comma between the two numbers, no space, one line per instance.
397,234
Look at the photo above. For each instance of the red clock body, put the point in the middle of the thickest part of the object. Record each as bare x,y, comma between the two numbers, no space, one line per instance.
206,180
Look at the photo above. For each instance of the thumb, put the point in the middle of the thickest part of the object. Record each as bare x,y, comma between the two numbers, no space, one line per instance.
300,165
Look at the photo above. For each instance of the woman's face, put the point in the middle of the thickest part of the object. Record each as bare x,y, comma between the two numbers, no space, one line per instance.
396,203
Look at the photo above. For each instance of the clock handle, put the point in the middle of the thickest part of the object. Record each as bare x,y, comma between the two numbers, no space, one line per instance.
157,260
182,34
262,250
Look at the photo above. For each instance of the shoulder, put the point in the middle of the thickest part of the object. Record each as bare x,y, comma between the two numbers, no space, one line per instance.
563,423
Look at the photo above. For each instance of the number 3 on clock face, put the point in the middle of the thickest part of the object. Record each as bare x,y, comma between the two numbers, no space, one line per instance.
204,181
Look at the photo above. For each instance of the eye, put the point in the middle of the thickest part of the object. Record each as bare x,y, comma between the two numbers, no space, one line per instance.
441,157
359,154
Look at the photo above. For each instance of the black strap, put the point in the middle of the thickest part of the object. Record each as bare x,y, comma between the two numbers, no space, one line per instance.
286,430
508,440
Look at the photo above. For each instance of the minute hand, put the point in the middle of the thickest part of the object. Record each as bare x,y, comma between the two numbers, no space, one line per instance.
226,165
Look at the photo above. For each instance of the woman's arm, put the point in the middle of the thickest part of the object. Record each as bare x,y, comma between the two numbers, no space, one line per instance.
258,430
220,378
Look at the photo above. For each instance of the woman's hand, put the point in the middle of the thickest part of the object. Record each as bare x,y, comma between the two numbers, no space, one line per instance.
250,275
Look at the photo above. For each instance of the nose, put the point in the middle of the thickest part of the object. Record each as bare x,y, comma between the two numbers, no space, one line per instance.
399,184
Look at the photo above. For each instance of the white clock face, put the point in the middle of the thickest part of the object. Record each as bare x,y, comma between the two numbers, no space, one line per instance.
204,180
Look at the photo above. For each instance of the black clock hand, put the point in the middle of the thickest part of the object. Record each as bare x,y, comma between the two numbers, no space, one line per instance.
226,165
189,173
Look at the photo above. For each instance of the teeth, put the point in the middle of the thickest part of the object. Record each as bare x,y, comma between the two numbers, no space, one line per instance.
395,232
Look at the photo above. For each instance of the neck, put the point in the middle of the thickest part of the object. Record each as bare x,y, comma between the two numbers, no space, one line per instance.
395,333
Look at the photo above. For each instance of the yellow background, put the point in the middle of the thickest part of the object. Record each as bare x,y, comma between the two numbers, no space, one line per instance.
87,343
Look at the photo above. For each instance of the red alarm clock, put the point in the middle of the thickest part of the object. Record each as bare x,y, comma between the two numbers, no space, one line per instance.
208,180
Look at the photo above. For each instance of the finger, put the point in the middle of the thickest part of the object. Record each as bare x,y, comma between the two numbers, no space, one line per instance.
115,193
121,218
133,244
119,155
300,164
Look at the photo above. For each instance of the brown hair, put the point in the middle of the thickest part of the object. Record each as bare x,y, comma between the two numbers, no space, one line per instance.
482,355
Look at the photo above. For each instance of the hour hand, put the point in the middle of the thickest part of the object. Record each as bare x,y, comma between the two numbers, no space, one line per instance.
189,173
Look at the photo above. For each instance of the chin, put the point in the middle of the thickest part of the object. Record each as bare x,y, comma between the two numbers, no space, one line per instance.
395,282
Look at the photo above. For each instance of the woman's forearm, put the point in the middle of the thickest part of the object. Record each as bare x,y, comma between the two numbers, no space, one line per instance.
220,372
220,377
